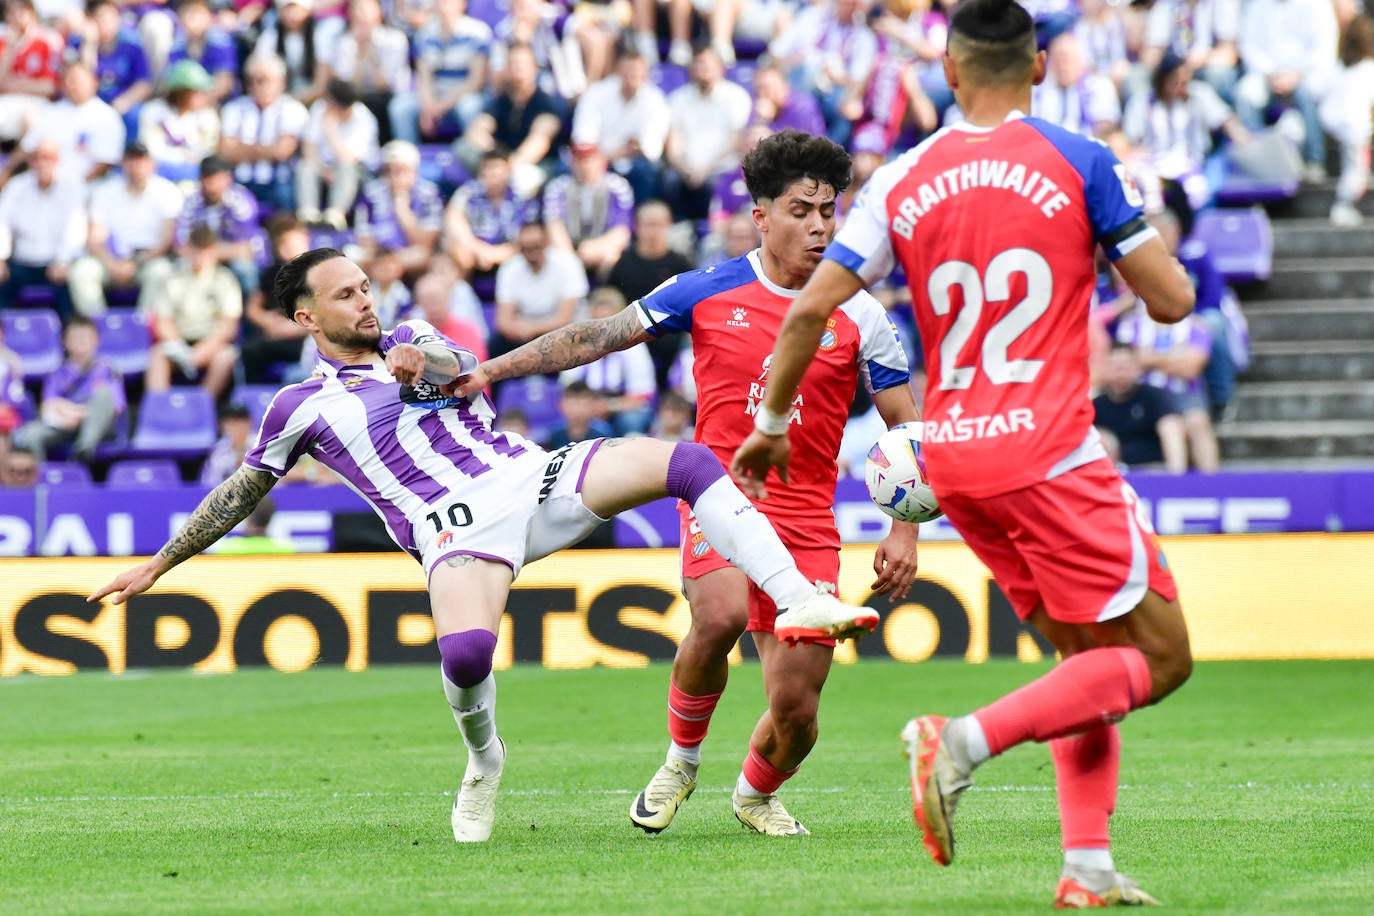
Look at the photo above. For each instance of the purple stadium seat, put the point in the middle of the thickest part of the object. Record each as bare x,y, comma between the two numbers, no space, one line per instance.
134,473
489,11
124,340
65,474
36,336
669,77
1241,191
256,398
1241,242
743,73
537,396
439,165
176,423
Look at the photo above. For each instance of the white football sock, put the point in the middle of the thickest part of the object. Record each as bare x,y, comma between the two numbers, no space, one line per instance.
1090,858
690,755
741,534
474,709
746,789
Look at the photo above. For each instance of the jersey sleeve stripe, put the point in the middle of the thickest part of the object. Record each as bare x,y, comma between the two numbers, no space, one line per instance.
846,257
647,319
881,378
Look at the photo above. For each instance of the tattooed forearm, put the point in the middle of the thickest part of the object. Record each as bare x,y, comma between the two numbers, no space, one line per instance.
225,506
574,345
441,365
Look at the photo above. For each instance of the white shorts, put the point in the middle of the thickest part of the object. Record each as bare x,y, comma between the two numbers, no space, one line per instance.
518,513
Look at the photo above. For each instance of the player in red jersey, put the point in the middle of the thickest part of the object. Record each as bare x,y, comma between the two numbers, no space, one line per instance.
733,312
994,223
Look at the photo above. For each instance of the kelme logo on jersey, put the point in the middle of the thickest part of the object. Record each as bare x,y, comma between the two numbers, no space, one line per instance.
738,319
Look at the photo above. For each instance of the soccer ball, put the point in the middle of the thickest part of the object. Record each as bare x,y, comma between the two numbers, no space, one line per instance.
896,476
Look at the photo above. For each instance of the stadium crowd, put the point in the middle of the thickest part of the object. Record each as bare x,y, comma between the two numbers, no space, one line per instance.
505,167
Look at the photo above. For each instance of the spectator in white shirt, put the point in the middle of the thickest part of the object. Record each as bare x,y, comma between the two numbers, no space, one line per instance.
627,116
1289,49
375,58
625,378
340,147
131,228
88,132
261,132
183,128
538,290
42,228
706,117
1072,97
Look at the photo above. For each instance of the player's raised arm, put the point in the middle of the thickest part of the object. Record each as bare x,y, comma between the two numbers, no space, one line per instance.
1160,280
223,508
767,446
575,344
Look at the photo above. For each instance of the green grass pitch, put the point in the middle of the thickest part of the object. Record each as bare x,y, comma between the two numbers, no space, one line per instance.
1252,790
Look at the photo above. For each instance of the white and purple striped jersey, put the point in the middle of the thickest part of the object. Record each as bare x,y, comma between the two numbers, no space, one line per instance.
404,449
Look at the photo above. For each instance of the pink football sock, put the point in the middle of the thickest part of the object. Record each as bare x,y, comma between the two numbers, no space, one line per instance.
689,717
1085,772
761,774
1085,691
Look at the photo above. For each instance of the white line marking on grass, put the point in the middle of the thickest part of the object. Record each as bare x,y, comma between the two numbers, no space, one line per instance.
279,794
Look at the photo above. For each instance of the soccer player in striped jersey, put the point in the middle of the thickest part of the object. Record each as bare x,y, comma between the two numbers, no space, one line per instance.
995,223
733,311
471,505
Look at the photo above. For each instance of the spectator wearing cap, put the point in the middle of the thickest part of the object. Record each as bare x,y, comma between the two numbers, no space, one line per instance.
538,289
522,118
42,228
82,398
261,133
483,218
302,44
400,210
627,116
116,55
30,55
590,211
706,117
452,53
183,127
198,38
129,234
338,148
230,211
196,316
88,132
375,58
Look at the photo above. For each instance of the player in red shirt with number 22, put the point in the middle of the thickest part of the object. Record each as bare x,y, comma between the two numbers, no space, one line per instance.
733,312
994,222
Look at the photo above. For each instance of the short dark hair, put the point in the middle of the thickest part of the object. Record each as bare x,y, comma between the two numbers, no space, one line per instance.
202,237
995,39
578,389
341,93
777,161
293,284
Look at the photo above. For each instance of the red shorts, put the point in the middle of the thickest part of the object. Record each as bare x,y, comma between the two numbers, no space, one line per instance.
699,558
1080,544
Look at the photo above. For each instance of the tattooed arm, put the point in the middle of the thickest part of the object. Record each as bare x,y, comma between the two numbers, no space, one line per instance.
224,507
573,345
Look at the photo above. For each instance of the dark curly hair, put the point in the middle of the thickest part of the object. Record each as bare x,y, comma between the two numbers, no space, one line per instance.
293,283
776,162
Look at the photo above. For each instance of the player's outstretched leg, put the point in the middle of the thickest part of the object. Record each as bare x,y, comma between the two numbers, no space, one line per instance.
719,600
1131,661
467,596
625,473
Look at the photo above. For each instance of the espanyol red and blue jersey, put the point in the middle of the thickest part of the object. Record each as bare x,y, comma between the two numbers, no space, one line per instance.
733,313
995,229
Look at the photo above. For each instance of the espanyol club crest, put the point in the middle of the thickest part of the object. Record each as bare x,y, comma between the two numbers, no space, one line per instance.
699,545
828,338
